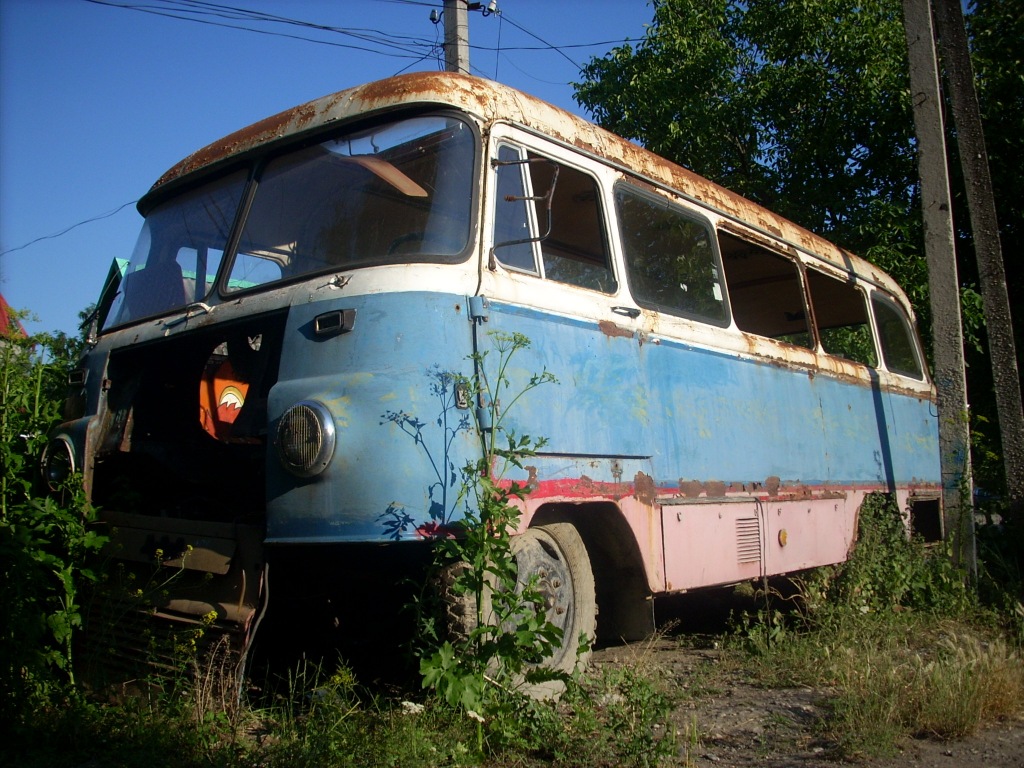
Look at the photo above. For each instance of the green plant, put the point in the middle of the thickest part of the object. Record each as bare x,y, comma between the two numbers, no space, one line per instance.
45,537
505,633
890,570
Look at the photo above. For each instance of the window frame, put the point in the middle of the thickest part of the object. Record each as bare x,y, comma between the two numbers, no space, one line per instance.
528,153
846,279
670,205
798,265
910,331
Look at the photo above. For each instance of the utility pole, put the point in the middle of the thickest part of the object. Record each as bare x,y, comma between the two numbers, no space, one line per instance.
988,251
456,36
943,285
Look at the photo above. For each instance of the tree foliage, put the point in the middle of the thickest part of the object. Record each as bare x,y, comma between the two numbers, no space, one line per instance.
803,107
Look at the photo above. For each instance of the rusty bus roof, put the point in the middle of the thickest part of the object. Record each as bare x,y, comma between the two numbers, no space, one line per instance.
492,101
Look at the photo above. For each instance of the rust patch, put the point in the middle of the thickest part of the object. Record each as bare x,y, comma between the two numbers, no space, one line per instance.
586,486
690,488
714,488
493,101
531,478
608,328
283,123
645,489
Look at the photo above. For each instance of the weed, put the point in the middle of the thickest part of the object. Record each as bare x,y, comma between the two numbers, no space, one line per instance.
506,633
44,536
895,633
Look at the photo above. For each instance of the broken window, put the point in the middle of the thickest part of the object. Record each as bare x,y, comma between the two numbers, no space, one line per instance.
841,315
765,291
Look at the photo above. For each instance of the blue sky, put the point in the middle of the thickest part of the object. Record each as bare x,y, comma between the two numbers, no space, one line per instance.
96,102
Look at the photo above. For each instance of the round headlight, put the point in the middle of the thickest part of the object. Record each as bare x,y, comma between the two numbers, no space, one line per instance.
58,462
305,438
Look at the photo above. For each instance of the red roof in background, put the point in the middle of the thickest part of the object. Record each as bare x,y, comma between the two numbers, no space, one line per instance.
6,327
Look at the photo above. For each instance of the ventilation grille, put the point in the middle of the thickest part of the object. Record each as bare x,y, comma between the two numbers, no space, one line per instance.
748,540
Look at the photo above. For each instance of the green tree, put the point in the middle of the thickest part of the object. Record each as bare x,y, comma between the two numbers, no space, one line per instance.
800,106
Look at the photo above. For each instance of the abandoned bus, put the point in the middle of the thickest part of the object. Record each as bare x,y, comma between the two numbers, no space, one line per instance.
271,401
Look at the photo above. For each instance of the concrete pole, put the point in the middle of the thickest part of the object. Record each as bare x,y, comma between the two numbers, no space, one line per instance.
947,329
985,230
456,36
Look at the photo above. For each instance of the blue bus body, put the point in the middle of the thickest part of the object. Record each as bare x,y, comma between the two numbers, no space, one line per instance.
730,386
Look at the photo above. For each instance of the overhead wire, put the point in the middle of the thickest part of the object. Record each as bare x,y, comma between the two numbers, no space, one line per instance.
418,49
169,10
548,45
68,229
216,9
413,47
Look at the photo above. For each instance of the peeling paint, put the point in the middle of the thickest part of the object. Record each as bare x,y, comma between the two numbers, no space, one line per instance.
646,491
714,488
494,102
608,328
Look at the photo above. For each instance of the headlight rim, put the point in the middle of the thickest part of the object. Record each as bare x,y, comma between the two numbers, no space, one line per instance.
46,462
317,462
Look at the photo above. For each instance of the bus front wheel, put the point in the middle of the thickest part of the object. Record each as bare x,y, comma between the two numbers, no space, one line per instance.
555,556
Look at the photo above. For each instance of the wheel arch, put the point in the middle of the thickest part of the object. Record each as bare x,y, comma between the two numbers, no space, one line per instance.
625,607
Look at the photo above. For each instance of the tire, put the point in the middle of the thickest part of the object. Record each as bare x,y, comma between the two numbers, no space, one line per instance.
556,556
460,614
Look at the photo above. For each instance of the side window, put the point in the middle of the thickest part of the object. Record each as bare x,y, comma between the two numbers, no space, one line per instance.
764,291
670,262
899,350
559,208
513,228
842,318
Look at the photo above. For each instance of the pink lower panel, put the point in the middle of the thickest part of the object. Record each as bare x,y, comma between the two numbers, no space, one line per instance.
712,543
809,533
736,539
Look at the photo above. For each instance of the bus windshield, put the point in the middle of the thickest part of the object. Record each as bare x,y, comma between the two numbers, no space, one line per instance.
395,193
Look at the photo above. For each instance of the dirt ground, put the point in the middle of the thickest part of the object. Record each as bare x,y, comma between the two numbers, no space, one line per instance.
739,724
736,723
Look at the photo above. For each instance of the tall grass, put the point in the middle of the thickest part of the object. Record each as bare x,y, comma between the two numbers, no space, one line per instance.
896,636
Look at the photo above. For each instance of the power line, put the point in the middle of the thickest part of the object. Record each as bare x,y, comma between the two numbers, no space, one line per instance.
412,49
371,35
68,229
542,40
419,48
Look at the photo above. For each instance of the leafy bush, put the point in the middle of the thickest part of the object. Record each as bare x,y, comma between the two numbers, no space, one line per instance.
44,538
889,570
